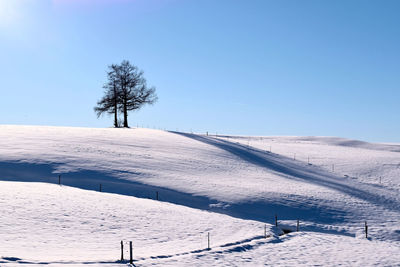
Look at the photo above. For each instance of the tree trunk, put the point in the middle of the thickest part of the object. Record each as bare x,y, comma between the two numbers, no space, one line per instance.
125,114
115,116
115,107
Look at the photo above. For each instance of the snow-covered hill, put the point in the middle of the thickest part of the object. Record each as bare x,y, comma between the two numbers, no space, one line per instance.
58,224
331,185
44,224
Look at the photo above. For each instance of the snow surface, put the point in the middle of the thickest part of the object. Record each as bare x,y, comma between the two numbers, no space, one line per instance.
331,185
44,223
59,225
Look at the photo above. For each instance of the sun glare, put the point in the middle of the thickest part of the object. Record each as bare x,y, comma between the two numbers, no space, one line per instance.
9,11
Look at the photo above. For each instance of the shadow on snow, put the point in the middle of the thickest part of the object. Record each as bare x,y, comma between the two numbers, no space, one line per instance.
290,169
261,209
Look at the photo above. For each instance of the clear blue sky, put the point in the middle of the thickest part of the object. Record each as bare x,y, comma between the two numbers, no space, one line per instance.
328,68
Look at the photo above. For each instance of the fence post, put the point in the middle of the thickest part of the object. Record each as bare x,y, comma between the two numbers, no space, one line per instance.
156,195
59,179
130,253
276,220
100,188
265,230
208,239
122,251
297,228
366,230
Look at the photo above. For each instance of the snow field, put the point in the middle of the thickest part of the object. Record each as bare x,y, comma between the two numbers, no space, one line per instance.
59,225
367,162
297,249
232,175
50,223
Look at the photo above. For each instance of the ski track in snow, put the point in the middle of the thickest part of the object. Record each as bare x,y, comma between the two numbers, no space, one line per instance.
331,184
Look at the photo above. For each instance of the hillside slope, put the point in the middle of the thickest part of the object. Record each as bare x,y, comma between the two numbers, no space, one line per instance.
232,175
52,225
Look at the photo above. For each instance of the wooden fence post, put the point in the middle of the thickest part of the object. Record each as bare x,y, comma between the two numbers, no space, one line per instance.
122,251
276,220
59,179
297,228
366,230
265,230
208,239
100,188
156,195
130,253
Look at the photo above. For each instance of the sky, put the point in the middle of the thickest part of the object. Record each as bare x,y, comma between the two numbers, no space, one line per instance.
313,68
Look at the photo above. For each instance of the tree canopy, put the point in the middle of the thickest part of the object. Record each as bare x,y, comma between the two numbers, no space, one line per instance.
125,90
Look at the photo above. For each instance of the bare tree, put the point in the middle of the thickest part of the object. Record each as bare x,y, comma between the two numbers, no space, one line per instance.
134,92
109,103
126,90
